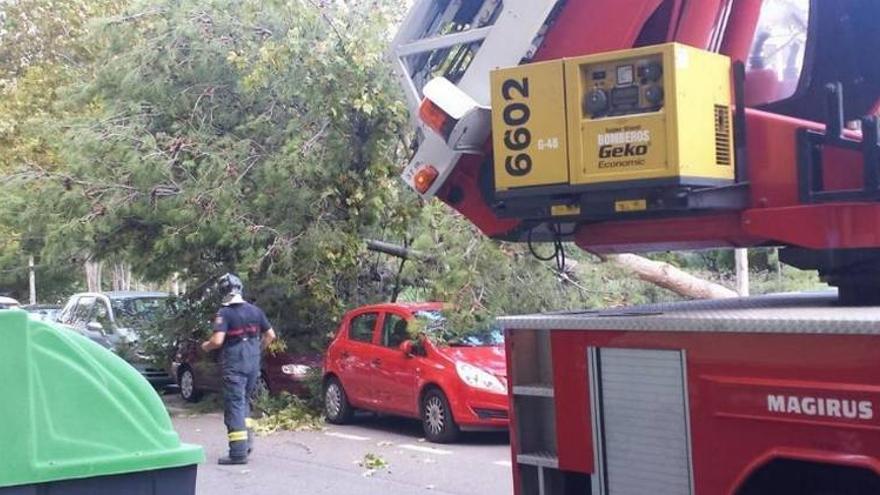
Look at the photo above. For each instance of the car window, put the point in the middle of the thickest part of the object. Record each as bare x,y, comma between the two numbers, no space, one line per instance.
139,312
82,312
101,315
436,326
66,315
778,50
394,331
361,327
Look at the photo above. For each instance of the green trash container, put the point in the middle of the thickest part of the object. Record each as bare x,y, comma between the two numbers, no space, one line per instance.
76,419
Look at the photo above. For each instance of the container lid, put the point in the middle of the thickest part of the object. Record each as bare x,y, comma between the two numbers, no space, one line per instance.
72,409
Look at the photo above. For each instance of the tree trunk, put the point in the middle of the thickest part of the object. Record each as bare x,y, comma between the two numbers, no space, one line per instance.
93,276
395,250
117,277
32,281
669,277
742,271
121,276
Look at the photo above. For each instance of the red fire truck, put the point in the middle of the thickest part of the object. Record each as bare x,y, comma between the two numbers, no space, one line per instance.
645,125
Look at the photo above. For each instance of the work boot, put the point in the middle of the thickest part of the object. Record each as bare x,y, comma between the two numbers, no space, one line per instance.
226,461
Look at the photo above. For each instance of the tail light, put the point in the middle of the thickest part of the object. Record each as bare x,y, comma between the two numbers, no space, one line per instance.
436,119
424,178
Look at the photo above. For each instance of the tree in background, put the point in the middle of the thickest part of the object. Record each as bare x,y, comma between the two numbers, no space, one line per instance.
257,137
44,45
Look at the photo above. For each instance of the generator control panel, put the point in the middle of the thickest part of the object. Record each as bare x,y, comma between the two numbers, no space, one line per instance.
624,87
658,115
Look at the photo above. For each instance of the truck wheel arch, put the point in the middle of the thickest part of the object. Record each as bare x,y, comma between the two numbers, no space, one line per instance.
785,472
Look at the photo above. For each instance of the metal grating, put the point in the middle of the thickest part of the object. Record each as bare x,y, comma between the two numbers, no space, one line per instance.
644,422
540,459
803,313
722,135
534,390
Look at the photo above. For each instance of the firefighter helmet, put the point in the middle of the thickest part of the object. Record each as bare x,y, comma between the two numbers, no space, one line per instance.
231,288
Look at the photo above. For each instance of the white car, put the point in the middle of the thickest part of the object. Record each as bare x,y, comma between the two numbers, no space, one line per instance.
8,303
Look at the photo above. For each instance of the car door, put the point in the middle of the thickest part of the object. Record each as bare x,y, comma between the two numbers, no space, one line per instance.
395,374
207,368
81,317
102,315
356,351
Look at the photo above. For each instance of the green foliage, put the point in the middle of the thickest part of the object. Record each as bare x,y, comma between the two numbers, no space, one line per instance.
255,137
285,412
719,260
187,321
55,282
767,274
43,46
373,463
46,32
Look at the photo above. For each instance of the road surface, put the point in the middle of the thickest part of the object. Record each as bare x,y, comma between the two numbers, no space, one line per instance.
329,462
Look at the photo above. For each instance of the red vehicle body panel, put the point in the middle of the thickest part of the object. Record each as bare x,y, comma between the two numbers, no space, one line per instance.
729,378
209,376
386,380
278,381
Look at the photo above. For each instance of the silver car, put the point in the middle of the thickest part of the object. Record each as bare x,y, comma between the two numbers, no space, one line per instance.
115,320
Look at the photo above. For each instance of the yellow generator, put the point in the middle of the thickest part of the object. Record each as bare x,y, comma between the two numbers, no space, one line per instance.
612,133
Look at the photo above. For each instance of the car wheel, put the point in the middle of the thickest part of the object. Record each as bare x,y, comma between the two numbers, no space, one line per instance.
336,407
187,383
437,420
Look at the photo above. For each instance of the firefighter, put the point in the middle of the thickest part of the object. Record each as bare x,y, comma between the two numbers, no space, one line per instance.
242,331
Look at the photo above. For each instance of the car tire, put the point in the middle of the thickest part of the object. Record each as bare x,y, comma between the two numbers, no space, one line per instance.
437,420
186,381
337,409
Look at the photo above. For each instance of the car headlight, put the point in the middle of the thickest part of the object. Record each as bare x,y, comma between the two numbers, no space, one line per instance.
296,370
477,378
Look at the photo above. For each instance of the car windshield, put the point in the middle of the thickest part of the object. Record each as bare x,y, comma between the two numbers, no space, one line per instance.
436,326
137,312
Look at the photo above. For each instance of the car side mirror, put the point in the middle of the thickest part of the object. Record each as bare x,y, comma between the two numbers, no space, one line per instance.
406,347
94,326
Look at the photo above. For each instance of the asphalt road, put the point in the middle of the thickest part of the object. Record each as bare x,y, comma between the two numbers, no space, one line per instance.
330,462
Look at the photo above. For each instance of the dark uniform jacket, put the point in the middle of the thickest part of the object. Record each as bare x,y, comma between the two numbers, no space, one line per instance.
244,325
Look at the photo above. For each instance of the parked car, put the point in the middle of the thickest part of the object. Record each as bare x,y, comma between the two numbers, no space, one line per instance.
8,303
46,312
197,372
450,384
115,320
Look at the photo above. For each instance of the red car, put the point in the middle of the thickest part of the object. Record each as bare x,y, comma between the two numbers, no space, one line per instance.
450,381
197,372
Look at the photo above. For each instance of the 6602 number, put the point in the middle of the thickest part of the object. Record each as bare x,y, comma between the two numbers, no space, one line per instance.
517,137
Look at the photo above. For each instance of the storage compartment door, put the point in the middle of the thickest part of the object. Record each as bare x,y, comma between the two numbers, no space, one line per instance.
643,422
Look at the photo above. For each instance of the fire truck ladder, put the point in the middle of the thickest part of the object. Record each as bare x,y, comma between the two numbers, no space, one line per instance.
462,41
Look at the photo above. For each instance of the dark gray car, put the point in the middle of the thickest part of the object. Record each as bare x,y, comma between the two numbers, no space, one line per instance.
115,320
